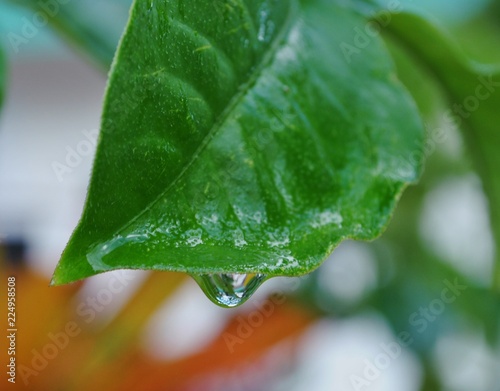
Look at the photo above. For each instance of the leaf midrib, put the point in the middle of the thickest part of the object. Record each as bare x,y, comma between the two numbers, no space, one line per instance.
232,104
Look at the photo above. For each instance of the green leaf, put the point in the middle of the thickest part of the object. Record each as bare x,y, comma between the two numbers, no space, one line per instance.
473,91
238,137
3,76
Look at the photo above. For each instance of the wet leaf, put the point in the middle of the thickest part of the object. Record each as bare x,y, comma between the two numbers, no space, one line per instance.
240,137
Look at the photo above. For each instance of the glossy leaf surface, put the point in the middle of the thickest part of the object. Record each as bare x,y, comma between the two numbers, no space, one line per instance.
238,137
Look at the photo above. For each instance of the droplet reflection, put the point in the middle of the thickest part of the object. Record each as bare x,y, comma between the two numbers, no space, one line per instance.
229,290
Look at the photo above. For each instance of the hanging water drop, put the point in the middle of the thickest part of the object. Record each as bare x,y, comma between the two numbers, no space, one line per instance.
229,290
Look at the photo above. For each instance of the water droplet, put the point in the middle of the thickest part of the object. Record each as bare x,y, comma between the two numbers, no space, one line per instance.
262,25
229,290
262,33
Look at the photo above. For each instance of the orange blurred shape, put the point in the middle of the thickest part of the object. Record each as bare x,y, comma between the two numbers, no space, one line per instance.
238,353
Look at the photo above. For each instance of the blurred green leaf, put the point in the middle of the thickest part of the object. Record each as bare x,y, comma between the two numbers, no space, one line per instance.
480,38
3,76
73,25
238,137
473,92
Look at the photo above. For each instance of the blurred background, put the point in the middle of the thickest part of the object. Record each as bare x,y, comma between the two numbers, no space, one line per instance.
410,311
